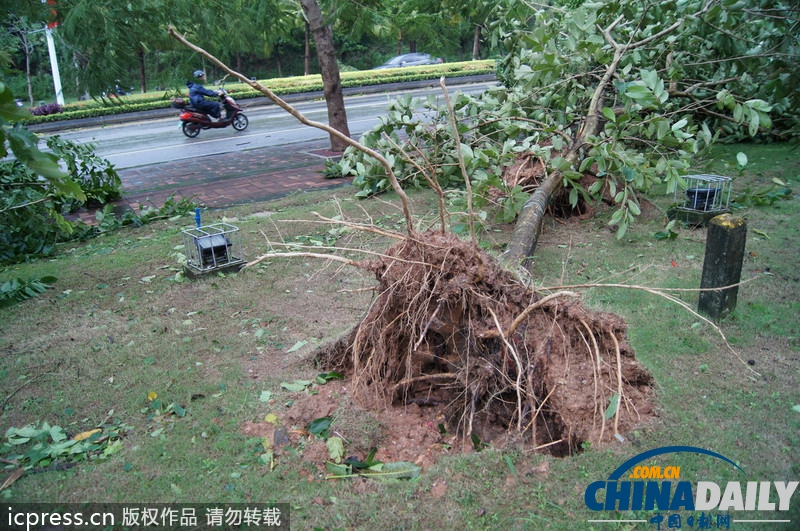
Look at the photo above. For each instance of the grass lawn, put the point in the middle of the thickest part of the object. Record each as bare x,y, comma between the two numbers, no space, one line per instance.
207,379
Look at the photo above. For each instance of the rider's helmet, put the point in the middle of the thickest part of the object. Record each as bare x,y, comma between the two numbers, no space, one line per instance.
199,73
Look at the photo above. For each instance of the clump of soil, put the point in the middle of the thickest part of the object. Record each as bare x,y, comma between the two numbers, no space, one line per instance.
452,331
528,171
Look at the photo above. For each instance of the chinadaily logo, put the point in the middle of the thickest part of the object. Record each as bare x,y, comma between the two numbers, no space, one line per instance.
676,503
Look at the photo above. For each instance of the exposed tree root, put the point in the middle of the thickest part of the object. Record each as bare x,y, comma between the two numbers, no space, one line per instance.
451,328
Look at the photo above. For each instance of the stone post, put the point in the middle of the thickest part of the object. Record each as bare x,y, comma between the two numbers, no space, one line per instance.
722,265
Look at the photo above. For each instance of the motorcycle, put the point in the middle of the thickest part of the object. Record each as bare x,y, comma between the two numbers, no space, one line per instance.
194,120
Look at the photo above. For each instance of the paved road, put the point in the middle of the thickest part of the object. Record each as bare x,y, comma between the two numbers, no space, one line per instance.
158,139
275,156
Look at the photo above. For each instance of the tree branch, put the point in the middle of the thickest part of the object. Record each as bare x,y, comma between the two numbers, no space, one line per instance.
460,155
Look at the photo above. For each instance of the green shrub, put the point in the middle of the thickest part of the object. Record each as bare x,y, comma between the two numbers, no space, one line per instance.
31,222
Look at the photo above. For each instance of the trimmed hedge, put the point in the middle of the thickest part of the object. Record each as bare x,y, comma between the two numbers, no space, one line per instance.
281,86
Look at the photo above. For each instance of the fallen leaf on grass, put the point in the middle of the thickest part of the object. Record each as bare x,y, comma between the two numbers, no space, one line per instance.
86,434
297,385
297,346
267,459
335,449
265,396
15,475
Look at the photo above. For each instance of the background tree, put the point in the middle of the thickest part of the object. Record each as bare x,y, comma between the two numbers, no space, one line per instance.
326,54
106,41
28,39
479,16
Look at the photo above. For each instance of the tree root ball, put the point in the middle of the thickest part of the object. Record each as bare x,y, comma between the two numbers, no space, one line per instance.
450,329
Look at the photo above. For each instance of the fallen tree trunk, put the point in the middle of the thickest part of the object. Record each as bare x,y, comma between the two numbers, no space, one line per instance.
528,228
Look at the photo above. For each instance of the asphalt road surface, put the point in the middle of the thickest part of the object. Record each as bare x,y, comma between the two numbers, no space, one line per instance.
160,140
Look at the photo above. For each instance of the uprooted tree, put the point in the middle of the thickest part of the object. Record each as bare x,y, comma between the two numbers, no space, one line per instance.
452,329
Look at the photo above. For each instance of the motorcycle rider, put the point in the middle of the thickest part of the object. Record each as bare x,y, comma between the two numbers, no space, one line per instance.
196,96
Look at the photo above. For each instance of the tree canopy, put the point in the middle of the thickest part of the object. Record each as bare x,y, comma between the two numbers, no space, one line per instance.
627,92
100,43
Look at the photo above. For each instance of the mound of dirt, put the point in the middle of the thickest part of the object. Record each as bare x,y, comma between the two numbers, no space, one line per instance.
452,331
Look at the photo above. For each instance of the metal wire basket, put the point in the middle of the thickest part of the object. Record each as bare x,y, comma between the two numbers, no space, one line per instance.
212,247
705,193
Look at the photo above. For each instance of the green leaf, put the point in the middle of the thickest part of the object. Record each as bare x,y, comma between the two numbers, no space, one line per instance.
796,408
336,470
319,426
573,197
297,346
759,105
267,458
642,95
617,217
177,409
57,434
680,124
738,113
335,448
296,386
755,122
741,158
265,396
611,410
326,377
397,470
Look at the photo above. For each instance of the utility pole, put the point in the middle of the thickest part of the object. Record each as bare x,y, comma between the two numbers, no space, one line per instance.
51,48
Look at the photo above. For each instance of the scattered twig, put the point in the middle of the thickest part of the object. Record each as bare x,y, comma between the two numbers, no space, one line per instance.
18,389
358,226
322,256
548,444
15,475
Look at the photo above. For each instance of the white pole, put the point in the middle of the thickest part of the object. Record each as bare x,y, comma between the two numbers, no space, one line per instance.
51,47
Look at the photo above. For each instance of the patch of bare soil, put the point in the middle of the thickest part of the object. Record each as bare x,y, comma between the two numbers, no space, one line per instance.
409,433
453,336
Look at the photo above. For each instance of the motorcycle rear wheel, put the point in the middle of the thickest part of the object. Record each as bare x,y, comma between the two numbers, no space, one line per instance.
240,122
191,129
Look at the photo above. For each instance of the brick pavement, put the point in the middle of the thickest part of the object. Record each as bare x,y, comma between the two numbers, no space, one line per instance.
221,180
